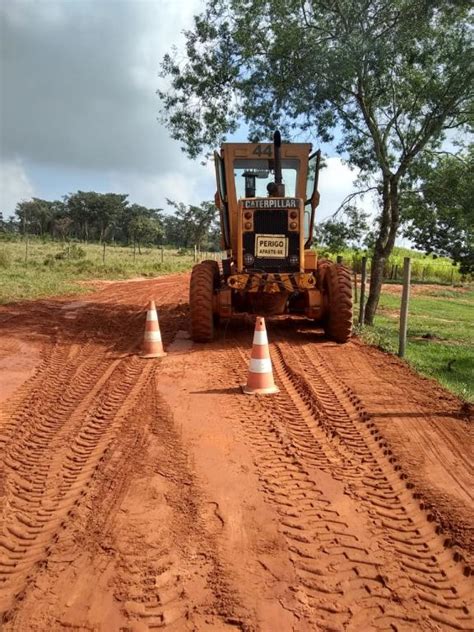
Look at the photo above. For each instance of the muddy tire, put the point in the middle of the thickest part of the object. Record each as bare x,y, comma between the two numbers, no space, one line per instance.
323,265
338,284
204,279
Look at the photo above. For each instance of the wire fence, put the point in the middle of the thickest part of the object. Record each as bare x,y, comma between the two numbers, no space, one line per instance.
422,270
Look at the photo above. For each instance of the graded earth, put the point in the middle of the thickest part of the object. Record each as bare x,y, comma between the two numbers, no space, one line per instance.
140,494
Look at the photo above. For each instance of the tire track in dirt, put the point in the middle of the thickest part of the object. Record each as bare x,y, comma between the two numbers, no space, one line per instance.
54,432
174,579
437,580
48,471
334,568
301,433
428,430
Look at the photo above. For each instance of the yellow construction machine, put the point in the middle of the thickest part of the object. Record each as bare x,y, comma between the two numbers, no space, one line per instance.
267,195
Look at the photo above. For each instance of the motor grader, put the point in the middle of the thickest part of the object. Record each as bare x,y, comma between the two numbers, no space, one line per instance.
267,195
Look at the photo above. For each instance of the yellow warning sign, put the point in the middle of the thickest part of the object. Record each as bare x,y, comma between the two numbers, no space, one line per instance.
271,246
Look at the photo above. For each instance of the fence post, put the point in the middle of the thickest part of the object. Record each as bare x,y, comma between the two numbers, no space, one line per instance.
402,339
363,274
339,259
162,254
195,253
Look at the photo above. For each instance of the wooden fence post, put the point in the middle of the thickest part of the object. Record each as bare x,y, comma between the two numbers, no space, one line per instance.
402,339
363,275
339,259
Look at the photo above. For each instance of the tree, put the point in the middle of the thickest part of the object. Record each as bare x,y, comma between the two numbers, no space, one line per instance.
96,214
389,76
36,214
194,222
439,208
81,207
336,235
143,225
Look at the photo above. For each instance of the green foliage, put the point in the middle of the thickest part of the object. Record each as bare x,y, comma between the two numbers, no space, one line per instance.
392,77
439,208
109,218
72,251
359,65
440,338
193,225
337,235
96,215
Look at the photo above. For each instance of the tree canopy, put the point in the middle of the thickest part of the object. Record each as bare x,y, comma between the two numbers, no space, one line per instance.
92,216
384,79
335,235
439,208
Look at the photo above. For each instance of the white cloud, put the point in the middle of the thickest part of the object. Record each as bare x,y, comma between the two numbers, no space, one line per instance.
188,185
14,185
336,182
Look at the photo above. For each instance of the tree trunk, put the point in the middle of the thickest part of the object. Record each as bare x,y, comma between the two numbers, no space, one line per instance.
389,223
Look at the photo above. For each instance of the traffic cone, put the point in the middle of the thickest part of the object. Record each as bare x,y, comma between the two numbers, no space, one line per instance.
260,378
152,345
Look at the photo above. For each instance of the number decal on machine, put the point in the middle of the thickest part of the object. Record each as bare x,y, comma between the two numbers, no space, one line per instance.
263,150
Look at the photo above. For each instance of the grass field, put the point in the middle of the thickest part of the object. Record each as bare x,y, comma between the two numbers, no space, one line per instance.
52,270
440,333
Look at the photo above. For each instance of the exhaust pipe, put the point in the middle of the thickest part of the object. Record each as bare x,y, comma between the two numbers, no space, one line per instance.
277,188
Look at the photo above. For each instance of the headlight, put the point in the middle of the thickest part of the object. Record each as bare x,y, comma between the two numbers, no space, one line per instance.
294,260
248,259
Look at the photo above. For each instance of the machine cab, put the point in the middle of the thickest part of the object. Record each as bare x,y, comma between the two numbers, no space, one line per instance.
267,196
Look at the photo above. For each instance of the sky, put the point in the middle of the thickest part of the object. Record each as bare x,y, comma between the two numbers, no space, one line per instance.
78,105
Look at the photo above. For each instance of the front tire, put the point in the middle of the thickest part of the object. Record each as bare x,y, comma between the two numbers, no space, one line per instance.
338,284
204,278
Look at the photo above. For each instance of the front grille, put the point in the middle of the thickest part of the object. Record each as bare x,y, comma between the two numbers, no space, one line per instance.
272,222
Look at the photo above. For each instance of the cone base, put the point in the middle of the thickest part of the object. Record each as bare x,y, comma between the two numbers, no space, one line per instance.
259,391
153,355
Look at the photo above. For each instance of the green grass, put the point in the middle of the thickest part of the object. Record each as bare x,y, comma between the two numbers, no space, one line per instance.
440,335
45,275
424,268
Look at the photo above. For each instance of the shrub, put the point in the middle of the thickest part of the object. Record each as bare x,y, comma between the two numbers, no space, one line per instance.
71,252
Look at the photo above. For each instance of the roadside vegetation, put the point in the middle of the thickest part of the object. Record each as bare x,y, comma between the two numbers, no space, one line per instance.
54,269
440,333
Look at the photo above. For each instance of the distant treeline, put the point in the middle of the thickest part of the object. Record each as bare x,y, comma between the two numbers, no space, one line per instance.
109,217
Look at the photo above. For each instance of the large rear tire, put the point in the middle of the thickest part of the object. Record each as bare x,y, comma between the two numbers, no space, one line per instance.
338,284
204,279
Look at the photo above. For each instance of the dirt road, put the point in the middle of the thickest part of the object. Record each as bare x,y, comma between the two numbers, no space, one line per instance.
144,494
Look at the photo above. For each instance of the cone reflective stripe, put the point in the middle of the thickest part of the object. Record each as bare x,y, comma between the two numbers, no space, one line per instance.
152,344
260,377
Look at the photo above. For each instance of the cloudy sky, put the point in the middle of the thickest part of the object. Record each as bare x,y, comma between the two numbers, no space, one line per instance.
78,108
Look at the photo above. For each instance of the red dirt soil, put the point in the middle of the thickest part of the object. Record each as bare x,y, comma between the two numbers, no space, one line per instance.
143,494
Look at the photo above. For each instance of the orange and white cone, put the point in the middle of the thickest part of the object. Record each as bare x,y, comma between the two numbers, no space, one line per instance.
152,344
260,378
